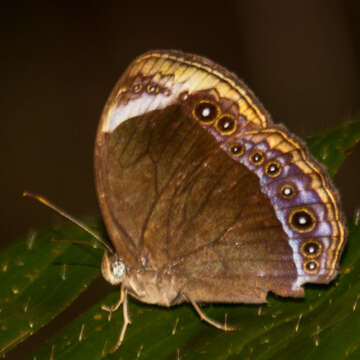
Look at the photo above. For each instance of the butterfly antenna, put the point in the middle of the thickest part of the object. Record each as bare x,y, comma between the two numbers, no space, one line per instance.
63,213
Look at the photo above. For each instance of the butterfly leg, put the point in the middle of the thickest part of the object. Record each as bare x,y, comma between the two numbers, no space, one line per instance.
113,308
126,318
212,322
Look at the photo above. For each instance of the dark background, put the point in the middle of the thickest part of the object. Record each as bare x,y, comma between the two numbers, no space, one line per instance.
59,63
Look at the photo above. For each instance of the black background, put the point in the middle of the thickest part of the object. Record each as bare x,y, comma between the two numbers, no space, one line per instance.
59,63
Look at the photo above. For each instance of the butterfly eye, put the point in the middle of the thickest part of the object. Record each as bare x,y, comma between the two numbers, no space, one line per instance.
117,268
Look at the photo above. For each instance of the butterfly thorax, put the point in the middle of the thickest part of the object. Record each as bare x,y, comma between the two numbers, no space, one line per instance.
145,284
153,287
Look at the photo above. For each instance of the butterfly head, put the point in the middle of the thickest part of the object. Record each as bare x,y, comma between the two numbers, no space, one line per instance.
113,268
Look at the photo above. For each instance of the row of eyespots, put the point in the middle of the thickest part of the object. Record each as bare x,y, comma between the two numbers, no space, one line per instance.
310,250
301,219
209,113
272,168
150,88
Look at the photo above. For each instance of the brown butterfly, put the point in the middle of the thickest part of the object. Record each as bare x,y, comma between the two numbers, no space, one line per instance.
205,200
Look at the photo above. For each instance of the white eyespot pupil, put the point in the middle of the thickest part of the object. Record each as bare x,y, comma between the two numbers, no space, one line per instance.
287,191
118,268
184,96
205,112
311,266
302,220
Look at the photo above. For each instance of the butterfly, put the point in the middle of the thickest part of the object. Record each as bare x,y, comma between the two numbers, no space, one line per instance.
204,198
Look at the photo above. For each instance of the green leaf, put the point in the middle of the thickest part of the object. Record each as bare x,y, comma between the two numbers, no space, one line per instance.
333,148
35,288
40,276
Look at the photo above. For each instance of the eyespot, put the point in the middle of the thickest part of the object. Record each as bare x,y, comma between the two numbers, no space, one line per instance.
152,89
137,88
206,112
166,92
236,149
226,125
311,248
273,168
184,96
256,157
302,220
288,191
117,268
311,266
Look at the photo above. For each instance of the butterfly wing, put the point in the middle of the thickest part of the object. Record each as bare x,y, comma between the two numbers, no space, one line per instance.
196,183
